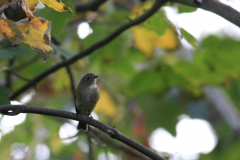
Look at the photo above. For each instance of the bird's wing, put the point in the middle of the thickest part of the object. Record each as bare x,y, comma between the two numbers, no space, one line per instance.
76,92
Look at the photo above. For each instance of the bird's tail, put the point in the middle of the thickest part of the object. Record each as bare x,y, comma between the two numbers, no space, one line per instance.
82,126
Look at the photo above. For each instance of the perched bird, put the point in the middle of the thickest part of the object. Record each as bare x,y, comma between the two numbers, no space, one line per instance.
86,97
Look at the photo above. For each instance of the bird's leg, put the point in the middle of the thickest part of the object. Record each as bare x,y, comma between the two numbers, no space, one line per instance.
89,114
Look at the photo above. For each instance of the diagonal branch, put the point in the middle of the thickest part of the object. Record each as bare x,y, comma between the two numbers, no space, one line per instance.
222,10
111,131
70,74
88,6
69,71
113,144
216,7
138,20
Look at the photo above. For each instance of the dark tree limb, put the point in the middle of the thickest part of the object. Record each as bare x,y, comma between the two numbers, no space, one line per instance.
216,7
91,49
113,144
222,10
111,131
88,6
9,74
94,133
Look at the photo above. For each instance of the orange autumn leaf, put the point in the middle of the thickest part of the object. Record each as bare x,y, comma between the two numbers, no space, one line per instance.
9,30
5,29
35,33
56,5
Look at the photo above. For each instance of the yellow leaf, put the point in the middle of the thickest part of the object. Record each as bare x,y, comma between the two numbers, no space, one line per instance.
56,5
105,104
168,41
32,5
140,9
144,39
10,30
5,29
37,35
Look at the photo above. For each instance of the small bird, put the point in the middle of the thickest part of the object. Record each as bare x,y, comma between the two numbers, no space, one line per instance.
86,97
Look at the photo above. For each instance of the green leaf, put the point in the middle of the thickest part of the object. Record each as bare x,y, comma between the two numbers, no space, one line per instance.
11,52
62,51
161,113
4,94
185,9
147,81
59,20
221,56
224,151
192,40
158,23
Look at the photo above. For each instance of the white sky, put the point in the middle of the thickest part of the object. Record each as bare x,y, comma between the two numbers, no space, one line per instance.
203,23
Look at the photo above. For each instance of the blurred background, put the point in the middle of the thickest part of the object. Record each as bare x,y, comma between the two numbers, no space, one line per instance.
171,83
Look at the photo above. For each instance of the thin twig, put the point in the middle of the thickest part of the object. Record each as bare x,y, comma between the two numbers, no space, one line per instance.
91,49
69,70
9,74
70,75
111,131
19,76
27,63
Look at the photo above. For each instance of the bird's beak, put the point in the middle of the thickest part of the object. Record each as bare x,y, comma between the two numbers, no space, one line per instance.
95,76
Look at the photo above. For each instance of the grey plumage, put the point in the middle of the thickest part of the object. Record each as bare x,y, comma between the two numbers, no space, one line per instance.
86,97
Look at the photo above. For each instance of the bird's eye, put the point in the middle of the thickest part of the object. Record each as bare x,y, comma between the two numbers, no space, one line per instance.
87,78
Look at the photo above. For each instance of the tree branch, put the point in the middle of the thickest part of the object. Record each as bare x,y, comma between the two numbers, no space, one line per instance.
16,109
222,10
68,69
70,74
138,20
19,76
9,74
109,142
216,7
88,6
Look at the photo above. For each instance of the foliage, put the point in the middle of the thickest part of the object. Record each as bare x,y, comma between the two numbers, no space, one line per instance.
27,28
138,74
